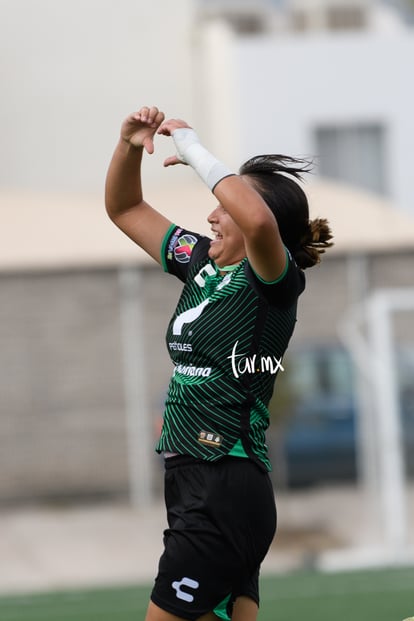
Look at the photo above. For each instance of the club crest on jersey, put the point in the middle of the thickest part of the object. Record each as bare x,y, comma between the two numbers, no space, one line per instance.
210,438
184,247
203,274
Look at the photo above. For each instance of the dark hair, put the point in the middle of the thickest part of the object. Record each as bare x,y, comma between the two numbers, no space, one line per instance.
276,178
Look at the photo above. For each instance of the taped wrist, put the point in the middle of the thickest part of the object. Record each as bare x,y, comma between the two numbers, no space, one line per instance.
191,152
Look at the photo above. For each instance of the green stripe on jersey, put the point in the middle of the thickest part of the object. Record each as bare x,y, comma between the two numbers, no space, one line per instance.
209,341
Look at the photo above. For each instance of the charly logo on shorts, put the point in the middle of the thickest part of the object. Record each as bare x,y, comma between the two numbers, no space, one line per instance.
190,584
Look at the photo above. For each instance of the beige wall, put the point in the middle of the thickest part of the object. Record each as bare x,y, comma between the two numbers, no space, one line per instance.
63,428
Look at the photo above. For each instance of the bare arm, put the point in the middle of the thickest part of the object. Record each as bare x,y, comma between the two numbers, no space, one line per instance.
123,189
264,247
237,195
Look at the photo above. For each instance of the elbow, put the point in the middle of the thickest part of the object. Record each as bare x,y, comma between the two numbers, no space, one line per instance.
116,210
111,210
111,205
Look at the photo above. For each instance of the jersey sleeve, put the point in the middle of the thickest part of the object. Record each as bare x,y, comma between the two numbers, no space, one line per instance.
179,248
284,291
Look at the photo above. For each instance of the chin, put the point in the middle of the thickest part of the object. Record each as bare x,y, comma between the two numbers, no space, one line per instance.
212,252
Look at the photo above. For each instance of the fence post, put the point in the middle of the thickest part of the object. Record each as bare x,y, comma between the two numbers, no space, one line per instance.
138,419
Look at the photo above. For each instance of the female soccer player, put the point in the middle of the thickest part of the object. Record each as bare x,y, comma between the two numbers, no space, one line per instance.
226,339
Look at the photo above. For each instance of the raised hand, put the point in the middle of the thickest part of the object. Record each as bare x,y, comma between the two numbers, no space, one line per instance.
139,128
167,128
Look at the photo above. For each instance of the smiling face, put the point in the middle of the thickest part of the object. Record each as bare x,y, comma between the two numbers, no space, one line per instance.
227,246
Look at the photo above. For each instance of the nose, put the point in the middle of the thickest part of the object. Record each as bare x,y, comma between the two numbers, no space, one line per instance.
213,216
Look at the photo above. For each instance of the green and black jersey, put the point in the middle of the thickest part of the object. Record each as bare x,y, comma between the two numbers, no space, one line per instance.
226,339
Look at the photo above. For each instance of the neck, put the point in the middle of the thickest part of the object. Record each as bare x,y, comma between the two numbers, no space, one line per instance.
228,268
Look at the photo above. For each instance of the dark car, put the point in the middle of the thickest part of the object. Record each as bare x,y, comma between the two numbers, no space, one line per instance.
319,442
318,437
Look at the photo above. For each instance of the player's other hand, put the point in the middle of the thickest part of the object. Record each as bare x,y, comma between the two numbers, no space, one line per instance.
166,129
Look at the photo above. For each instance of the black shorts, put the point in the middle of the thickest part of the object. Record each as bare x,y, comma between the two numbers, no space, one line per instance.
222,520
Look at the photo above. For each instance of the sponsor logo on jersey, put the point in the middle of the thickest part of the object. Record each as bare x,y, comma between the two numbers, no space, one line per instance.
189,583
184,247
192,371
175,346
210,438
242,364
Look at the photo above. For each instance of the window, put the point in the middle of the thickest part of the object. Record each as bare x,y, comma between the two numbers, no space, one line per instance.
317,16
246,24
245,17
345,18
353,154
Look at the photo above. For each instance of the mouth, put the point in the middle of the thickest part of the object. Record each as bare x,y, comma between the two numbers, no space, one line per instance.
217,236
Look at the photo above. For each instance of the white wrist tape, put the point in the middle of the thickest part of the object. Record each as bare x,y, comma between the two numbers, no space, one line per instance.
192,152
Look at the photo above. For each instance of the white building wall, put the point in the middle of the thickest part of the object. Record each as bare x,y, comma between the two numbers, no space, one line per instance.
71,71
217,91
290,86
